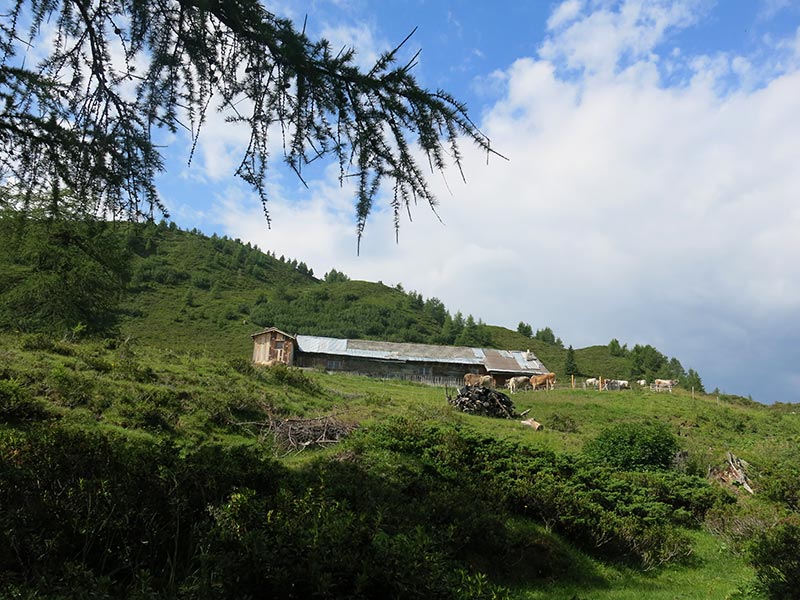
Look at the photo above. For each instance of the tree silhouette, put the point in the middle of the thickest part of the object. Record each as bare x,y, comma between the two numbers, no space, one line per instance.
570,365
84,116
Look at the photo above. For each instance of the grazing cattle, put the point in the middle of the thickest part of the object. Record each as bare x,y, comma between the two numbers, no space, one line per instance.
591,382
642,382
616,384
488,381
547,381
518,383
665,384
472,379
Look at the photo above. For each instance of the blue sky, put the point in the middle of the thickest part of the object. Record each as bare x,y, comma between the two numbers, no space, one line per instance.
652,191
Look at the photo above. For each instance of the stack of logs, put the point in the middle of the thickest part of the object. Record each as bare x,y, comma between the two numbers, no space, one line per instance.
479,400
297,434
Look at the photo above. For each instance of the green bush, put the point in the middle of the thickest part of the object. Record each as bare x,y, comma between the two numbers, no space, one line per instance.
37,341
242,366
16,402
291,376
634,447
774,555
67,387
563,423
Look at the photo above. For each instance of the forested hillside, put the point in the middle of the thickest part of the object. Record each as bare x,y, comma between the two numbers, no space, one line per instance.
142,455
156,282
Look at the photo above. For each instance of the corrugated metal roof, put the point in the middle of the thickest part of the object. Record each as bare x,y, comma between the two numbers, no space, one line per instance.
321,345
507,361
500,361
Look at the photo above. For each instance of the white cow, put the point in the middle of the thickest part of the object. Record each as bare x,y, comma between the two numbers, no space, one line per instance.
641,382
665,384
591,382
518,383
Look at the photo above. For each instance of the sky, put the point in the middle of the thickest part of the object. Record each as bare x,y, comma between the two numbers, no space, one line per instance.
651,192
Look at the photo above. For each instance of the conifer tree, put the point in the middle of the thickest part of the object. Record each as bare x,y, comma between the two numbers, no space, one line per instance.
570,365
85,116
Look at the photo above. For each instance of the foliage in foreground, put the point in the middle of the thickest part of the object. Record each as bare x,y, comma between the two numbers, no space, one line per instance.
131,472
407,509
774,554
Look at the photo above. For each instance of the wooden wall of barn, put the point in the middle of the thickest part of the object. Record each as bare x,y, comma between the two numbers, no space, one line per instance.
273,346
388,369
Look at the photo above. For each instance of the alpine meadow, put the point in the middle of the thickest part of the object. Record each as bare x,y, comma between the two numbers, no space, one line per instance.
186,414
152,459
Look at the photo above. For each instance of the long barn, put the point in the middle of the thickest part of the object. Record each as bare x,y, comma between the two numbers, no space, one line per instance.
418,362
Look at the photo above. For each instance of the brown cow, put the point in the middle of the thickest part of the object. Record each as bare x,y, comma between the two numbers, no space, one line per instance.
475,379
472,379
547,381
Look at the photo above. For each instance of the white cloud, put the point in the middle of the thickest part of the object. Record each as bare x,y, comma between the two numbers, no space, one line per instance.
359,36
602,40
564,13
628,209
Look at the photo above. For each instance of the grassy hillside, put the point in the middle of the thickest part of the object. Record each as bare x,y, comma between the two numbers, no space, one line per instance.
87,428
156,462
209,294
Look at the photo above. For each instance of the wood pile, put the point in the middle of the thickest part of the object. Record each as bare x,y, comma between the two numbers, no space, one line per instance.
479,400
295,435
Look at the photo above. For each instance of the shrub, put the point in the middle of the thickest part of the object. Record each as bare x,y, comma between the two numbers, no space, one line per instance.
37,341
292,377
201,281
774,555
68,388
562,423
242,366
634,447
16,402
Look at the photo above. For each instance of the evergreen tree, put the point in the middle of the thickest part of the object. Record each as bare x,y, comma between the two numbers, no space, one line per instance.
474,334
570,366
547,336
647,362
333,276
60,269
457,325
692,380
435,309
85,115
675,370
525,329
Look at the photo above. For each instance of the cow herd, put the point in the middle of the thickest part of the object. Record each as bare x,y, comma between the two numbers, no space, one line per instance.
600,383
548,382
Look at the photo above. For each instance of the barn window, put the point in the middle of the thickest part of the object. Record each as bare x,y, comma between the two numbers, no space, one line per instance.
334,365
279,345
426,371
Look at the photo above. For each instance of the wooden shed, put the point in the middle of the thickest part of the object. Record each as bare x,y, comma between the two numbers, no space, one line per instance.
273,346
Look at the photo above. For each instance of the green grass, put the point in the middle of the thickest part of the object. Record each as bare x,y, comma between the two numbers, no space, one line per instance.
196,398
177,375
713,572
